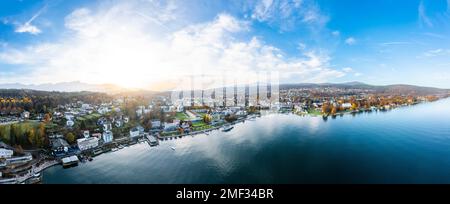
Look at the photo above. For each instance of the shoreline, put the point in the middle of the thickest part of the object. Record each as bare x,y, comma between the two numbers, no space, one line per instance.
126,142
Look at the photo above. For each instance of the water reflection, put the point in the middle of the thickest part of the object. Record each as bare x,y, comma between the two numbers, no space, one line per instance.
405,145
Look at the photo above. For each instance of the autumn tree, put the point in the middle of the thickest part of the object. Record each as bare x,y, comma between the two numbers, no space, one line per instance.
207,118
31,137
70,137
47,117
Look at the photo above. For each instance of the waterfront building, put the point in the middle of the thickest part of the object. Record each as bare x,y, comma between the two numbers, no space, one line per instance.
134,132
6,153
59,145
170,127
107,136
87,143
86,133
20,159
70,161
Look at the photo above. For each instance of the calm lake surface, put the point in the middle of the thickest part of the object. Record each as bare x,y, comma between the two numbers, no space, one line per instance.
406,145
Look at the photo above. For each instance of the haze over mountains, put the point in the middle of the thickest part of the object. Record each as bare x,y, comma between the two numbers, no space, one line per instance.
77,86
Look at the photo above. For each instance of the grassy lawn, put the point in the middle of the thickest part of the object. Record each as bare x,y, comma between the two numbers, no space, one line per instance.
199,124
93,116
181,116
204,127
314,112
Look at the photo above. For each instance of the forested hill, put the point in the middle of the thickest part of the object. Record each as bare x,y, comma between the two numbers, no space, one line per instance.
388,89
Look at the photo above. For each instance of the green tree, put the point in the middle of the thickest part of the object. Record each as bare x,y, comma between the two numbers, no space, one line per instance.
70,137
207,118
32,139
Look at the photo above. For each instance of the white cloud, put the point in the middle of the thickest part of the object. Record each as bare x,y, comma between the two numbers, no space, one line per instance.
436,52
347,69
336,33
27,27
287,14
395,43
350,41
115,44
357,74
423,18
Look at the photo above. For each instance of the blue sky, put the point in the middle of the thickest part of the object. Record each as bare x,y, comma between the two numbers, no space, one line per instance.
141,43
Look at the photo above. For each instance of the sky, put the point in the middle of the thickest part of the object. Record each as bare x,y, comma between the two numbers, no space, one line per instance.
152,44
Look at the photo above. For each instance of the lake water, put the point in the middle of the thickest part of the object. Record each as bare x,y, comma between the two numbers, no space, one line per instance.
406,145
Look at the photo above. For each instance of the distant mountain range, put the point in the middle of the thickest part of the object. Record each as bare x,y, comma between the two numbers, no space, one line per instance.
74,86
77,86
387,89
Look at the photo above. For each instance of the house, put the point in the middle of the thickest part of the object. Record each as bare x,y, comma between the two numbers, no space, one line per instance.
69,116
346,105
107,136
87,143
59,145
25,115
126,119
107,126
103,110
86,106
134,132
140,129
118,123
170,127
70,123
101,121
86,133
156,124
6,153
180,108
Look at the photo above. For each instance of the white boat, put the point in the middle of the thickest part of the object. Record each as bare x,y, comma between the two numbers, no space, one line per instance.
173,148
227,128
114,149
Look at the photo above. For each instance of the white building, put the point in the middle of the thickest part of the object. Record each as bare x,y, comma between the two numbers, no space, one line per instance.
118,123
70,123
87,143
107,126
6,153
170,127
346,105
107,136
25,115
86,133
103,110
134,132
156,124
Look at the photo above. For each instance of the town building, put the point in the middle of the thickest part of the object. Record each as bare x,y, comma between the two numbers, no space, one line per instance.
70,123
134,132
86,133
87,143
107,136
25,115
59,145
6,153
